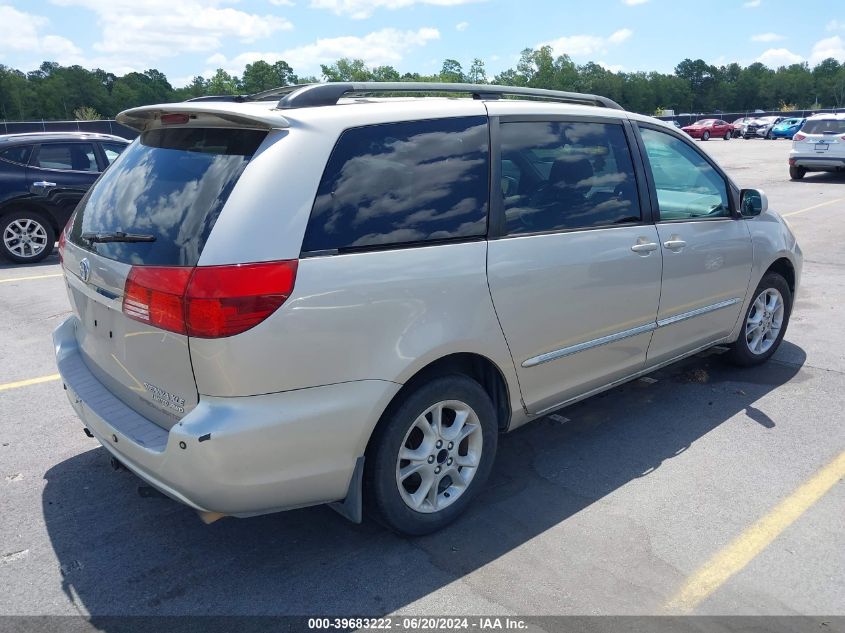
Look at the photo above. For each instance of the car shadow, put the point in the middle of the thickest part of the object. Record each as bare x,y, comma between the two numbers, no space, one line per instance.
121,554
51,260
816,177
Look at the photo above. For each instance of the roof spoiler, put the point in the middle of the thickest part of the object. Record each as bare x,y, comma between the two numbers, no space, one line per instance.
210,114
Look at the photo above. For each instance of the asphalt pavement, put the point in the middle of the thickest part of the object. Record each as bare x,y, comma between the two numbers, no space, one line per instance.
613,507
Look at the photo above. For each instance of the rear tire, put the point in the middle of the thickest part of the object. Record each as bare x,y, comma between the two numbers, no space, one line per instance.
705,136
727,136
420,475
796,173
764,323
26,237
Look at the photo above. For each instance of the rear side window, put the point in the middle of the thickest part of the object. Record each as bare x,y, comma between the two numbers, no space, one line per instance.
824,126
170,184
403,183
18,154
113,150
566,175
66,157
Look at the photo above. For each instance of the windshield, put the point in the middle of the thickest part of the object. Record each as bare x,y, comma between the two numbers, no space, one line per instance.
704,122
169,186
824,126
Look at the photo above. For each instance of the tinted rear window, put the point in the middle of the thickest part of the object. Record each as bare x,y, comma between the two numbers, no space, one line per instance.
824,126
171,184
403,183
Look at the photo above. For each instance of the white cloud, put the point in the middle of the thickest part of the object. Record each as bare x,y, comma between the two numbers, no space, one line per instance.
136,34
20,32
633,3
462,26
360,9
614,68
752,4
776,57
835,25
767,37
830,47
583,45
384,47
283,3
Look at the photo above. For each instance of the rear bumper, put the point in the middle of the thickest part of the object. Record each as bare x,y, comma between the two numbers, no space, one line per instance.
817,163
238,456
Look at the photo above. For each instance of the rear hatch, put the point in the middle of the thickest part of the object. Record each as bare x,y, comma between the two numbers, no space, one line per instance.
822,137
149,217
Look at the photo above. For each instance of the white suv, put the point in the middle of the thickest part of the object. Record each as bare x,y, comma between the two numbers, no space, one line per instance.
320,296
818,146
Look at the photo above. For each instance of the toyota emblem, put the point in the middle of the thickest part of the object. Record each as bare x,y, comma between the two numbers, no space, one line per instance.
84,269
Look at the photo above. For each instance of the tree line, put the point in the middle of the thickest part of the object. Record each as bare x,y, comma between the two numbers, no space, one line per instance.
55,92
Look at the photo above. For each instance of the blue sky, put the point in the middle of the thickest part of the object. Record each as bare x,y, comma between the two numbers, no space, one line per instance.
183,38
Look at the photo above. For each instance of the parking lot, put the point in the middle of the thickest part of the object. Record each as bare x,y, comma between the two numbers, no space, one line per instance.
698,490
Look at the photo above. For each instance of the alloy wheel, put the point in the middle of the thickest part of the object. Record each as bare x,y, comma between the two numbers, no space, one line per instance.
764,322
439,456
25,237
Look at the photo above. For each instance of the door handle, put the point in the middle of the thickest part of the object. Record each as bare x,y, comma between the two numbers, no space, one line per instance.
674,244
41,186
646,247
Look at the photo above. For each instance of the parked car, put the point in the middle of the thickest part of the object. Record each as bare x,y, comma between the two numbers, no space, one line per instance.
819,146
787,128
42,178
673,123
360,330
739,126
706,128
762,127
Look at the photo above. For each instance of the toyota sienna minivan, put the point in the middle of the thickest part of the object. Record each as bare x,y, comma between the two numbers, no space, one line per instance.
344,293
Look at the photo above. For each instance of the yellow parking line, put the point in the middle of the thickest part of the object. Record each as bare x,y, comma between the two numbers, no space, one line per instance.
733,558
31,381
815,206
5,281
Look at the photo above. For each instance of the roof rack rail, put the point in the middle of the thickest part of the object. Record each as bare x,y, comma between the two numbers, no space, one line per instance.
321,94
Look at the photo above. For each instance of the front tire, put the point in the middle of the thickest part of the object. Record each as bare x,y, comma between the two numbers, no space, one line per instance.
764,324
26,237
705,136
796,173
431,455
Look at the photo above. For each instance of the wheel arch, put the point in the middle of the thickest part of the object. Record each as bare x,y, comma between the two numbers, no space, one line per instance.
783,267
473,365
11,206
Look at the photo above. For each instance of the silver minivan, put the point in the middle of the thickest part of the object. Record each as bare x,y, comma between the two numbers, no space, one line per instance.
339,293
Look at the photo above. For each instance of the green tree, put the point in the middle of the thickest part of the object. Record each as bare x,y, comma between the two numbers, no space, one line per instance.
260,76
452,72
477,73
222,83
346,69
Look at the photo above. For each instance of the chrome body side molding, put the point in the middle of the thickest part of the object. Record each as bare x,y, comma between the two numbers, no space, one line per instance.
580,347
618,336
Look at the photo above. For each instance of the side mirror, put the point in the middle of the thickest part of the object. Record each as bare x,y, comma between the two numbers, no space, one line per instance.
752,202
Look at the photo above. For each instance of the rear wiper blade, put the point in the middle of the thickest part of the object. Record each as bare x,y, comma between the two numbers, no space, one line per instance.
118,236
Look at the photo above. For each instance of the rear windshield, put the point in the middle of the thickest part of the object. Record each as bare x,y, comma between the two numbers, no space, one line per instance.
824,126
171,185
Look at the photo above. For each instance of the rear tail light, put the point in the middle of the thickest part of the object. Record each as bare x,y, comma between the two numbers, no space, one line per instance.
63,238
799,137
208,301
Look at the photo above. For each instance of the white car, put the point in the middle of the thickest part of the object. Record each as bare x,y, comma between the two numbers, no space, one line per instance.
819,146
